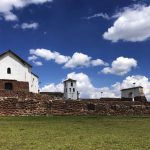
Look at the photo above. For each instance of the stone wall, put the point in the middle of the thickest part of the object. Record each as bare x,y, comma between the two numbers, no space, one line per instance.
54,95
35,104
138,99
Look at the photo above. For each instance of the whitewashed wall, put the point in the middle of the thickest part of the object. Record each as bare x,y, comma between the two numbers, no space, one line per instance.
19,71
70,94
135,92
34,87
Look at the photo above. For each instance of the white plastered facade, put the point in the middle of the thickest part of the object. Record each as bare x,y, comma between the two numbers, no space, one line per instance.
20,71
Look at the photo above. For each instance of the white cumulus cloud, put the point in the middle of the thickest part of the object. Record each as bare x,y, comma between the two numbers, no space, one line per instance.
52,87
84,86
60,59
132,24
33,57
74,61
102,15
98,62
7,7
33,25
88,90
38,63
25,26
120,66
83,60
49,55
78,59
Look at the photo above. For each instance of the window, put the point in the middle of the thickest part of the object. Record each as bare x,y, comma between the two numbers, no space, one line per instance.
73,89
71,83
8,71
66,89
70,89
8,86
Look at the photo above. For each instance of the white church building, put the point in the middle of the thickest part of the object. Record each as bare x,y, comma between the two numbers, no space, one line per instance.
16,74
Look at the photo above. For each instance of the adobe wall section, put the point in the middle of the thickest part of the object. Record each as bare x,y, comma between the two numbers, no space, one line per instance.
16,85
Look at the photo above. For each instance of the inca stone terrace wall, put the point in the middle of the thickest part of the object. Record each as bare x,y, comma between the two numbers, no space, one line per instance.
28,104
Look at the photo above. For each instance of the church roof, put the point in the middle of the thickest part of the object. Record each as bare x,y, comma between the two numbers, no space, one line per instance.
70,80
23,61
35,75
137,87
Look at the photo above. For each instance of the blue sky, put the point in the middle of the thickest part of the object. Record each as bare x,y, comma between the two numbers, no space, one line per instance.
102,43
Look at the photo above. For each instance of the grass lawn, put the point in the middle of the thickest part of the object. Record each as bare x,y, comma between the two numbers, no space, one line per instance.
75,133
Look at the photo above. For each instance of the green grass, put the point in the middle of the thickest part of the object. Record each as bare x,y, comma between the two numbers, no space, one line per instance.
75,133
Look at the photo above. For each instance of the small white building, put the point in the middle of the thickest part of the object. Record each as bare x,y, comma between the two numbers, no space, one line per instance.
16,73
70,89
132,92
